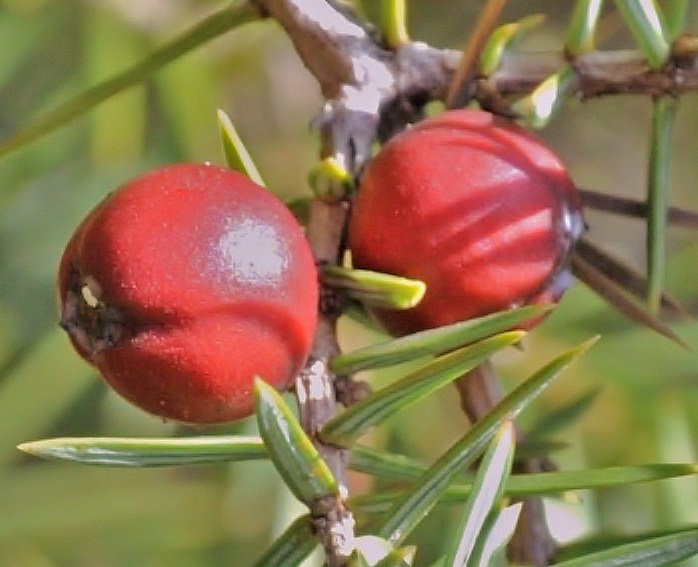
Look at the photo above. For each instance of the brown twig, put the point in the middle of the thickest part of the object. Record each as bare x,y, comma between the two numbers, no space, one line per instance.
599,73
372,92
355,77
458,94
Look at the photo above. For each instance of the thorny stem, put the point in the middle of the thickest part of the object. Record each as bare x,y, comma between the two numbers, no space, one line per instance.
315,387
354,78
360,81
371,92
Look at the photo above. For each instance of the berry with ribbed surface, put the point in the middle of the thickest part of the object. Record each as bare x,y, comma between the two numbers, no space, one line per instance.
478,208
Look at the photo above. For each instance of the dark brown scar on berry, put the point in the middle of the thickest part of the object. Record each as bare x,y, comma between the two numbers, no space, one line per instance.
91,322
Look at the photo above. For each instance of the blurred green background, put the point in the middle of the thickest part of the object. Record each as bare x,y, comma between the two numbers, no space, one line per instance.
646,409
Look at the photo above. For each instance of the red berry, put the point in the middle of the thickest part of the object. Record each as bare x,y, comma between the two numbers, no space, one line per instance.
477,208
186,283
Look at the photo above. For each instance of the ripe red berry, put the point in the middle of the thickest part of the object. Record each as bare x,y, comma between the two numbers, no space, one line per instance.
186,283
477,208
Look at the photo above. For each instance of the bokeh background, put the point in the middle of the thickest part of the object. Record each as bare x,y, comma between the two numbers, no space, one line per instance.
645,406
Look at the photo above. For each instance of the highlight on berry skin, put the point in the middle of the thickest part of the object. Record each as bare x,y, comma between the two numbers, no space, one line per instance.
186,283
476,207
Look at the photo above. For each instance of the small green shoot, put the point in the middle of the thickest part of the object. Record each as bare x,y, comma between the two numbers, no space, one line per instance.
236,154
374,288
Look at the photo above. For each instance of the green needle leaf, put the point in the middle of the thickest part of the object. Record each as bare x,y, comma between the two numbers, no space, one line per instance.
582,30
541,105
497,532
393,23
650,552
411,508
235,14
561,481
433,341
148,452
389,466
646,23
486,492
502,38
524,485
236,154
290,449
375,288
357,559
292,547
372,551
663,118
401,557
354,421
402,469
675,17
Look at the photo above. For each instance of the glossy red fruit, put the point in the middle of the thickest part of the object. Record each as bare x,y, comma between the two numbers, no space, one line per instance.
476,207
186,283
